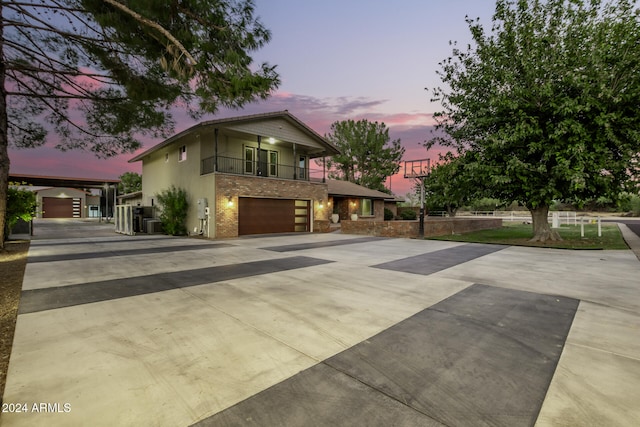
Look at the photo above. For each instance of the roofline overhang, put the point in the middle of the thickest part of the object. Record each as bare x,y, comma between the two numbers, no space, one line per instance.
330,149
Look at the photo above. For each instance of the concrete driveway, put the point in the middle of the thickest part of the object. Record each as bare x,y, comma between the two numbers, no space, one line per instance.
322,329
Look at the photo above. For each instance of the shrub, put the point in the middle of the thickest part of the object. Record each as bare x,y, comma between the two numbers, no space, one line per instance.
174,210
408,214
21,204
388,215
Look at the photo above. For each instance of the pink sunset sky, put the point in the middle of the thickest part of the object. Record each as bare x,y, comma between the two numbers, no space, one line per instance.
338,60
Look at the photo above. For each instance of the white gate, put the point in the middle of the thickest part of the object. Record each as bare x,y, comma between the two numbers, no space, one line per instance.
124,219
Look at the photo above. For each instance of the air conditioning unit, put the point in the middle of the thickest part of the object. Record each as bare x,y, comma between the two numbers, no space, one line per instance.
152,226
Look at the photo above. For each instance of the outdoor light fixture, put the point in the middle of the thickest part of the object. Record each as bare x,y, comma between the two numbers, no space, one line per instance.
229,201
272,140
320,204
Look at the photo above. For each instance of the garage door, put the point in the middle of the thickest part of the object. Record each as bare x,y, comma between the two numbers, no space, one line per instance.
54,207
259,216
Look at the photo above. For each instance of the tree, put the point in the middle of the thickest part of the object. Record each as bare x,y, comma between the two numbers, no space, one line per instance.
101,73
368,156
130,182
174,210
451,184
547,102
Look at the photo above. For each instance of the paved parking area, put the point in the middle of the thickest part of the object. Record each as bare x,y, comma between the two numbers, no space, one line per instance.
322,329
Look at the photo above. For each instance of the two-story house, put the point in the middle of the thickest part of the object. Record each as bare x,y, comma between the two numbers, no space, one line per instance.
243,175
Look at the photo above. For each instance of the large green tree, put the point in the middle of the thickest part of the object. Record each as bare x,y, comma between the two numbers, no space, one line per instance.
130,182
98,74
451,183
548,101
368,155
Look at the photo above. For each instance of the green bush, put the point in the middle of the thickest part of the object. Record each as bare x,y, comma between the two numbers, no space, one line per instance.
388,215
408,214
174,211
21,204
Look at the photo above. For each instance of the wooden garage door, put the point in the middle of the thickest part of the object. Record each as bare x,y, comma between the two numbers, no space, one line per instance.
54,207
259,216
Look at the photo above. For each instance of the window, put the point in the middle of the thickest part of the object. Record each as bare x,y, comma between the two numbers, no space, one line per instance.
182,153
166,157
273,163
249,159
302,168
366,207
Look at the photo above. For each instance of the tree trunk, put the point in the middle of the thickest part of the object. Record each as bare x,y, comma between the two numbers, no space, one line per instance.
4,142
451,211
541,229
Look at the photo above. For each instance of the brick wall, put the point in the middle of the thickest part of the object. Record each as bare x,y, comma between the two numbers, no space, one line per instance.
226,219
432,227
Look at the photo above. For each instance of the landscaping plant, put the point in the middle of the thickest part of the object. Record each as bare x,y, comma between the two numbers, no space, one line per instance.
174,210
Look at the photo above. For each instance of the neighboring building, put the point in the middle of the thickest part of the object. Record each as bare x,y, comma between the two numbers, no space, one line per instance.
243,175
347,198
64,197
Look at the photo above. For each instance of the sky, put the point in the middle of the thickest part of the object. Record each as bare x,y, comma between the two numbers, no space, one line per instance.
338,60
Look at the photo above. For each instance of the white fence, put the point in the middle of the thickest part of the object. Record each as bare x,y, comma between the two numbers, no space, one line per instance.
570,218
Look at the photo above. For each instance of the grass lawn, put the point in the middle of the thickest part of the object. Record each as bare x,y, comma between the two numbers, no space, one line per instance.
519,234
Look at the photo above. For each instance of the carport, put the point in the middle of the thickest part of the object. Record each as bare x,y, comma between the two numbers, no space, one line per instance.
69,206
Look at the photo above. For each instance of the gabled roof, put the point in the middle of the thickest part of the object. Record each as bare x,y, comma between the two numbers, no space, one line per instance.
350,189
330,148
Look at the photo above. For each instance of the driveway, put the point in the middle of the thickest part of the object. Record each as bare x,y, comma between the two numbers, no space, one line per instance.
321,329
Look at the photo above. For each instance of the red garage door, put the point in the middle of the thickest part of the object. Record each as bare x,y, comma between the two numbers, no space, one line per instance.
259,216
54,207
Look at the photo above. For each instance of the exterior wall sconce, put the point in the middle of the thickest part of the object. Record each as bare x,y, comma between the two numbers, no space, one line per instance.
229,201
320,205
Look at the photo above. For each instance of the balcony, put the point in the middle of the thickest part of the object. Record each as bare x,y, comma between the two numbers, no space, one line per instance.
238,166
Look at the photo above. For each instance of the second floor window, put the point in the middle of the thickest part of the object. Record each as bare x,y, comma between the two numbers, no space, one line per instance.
302,168
182,153
249,159
273,163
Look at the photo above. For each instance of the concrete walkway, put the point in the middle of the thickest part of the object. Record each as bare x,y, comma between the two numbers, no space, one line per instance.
322,329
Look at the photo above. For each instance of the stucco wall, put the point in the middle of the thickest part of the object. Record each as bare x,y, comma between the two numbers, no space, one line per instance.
432,227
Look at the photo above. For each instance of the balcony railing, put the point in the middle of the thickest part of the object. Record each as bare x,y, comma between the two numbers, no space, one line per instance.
256,168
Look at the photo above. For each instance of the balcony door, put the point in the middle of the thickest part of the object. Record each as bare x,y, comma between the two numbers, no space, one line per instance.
263,163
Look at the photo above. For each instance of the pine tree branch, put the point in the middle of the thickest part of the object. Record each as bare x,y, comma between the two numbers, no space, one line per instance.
191,60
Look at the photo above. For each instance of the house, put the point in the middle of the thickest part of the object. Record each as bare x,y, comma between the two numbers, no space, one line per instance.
347,198
243,175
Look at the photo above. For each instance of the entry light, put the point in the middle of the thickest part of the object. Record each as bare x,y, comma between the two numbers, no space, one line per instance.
229,201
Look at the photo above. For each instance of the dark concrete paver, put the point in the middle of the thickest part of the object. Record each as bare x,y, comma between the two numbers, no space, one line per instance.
484,356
